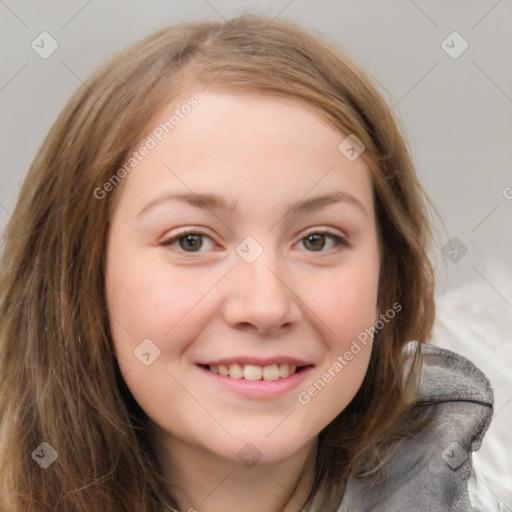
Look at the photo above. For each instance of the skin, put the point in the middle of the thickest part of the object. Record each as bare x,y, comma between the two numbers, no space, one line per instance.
293,300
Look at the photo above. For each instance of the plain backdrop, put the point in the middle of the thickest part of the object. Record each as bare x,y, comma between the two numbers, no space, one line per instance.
455,107
457,112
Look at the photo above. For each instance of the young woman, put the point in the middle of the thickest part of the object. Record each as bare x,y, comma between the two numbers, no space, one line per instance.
210,280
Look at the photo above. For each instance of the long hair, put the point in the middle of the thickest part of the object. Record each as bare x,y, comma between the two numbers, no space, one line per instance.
59,380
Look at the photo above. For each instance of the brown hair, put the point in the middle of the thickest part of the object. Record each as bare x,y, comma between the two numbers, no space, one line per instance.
60,382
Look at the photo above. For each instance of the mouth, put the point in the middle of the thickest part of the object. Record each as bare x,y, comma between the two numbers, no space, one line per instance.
254,372
256,378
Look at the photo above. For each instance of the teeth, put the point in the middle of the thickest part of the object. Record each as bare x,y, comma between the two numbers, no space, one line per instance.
253,371
236,371
271,372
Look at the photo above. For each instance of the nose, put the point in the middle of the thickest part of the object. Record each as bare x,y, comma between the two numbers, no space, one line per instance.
261,297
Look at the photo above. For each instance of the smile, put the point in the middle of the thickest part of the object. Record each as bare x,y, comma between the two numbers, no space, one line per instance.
253,372
257,378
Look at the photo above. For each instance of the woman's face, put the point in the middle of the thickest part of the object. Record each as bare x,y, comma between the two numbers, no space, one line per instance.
242,271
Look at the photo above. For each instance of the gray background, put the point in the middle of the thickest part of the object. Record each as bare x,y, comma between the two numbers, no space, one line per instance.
456,112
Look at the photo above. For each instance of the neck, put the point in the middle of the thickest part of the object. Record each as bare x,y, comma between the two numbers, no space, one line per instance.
204,482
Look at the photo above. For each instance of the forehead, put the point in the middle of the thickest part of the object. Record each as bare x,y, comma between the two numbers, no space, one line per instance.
245,147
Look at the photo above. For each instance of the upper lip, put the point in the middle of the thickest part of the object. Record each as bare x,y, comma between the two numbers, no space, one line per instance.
258,361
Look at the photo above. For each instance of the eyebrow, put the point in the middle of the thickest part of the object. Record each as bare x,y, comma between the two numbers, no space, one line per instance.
217,203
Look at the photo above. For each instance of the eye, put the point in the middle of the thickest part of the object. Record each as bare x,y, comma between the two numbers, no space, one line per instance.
190,241
318,241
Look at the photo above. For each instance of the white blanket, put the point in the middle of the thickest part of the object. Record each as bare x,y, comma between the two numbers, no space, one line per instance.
475,321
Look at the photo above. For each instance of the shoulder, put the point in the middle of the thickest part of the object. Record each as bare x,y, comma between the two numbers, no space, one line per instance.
430,470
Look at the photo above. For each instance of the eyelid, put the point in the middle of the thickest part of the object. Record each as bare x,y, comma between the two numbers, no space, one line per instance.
188,230
323,231
339,239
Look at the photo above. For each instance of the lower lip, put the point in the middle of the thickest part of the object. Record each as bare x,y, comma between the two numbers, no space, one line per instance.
262,389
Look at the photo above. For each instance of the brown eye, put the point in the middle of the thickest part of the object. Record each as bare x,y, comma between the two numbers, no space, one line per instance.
314,242
191,243
323,242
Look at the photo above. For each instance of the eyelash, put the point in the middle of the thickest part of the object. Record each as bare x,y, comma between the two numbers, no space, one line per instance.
341,243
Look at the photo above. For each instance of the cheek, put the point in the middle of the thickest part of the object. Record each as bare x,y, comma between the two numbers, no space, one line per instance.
346,308
335,384
149,299
345,302
156,313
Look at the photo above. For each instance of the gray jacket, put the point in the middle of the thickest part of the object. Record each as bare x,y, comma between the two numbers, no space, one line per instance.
430,471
